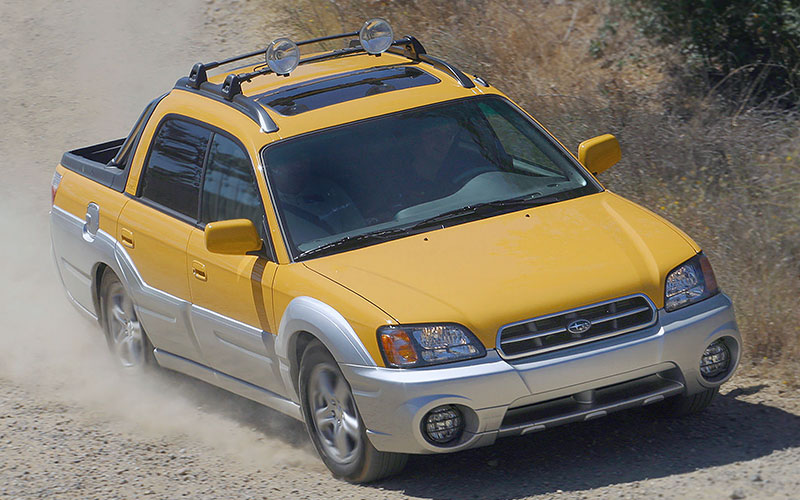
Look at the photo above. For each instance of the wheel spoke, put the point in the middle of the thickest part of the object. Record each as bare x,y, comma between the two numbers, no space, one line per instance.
136,331
119,314
326,424
340,440
121,333
324,417
350,426
125,350
342,392
326,385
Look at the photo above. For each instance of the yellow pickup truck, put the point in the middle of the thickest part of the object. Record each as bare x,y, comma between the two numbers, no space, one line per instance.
387,248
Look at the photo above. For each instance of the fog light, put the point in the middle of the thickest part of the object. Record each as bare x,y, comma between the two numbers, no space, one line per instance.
443,424
716,360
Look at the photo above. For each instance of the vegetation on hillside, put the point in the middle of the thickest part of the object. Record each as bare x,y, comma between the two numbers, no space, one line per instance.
746,50
715,153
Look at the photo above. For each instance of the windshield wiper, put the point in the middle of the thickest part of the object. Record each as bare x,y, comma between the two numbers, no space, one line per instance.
529,200
355,240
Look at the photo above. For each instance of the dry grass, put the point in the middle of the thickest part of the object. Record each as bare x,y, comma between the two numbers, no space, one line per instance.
729,177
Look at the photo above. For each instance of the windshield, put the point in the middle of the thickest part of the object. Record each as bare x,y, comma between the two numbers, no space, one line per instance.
444,164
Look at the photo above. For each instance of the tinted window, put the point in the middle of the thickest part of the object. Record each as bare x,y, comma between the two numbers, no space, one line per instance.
229,188
172,175
326,92
398,170
511,130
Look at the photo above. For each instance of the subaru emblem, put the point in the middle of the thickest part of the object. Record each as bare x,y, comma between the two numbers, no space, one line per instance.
579,326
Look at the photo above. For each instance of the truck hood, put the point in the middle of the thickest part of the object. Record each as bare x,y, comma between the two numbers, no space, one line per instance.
516,266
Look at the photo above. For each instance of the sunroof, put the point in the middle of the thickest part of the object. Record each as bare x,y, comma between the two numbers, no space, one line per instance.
290,101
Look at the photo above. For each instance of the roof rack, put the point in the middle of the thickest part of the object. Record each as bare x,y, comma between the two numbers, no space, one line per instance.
230,91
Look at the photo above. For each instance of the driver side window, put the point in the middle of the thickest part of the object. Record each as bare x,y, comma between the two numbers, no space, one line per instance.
229,186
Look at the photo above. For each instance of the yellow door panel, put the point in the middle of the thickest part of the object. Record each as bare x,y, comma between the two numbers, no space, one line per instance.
235,324
231,285
156,243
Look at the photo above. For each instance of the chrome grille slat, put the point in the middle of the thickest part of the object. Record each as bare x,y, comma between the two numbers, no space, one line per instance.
536,335
619,315
550,332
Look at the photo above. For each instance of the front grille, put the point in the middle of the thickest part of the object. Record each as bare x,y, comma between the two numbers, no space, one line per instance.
551,332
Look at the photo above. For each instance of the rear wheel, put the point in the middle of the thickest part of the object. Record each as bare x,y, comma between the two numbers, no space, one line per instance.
334,425
126,337
679,406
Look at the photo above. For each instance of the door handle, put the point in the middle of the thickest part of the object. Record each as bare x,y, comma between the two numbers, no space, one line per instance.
126,235
199,271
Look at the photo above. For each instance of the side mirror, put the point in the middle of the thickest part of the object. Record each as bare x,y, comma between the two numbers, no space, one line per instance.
600,153
232,237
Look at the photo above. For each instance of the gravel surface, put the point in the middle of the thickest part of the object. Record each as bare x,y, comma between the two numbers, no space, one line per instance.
71,426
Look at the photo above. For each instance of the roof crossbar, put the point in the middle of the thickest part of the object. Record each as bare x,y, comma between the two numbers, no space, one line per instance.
231,89
199,74
407,46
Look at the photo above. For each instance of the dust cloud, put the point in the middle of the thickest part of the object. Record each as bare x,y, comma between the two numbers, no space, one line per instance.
96,65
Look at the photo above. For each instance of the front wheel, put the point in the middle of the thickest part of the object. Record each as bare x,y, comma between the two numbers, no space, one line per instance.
334,425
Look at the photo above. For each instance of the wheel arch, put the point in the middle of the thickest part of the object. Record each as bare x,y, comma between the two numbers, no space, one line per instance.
307,319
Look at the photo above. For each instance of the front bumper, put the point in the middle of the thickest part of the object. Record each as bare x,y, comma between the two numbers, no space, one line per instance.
500,398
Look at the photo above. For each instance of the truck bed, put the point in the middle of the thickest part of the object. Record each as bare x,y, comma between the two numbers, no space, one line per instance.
93,162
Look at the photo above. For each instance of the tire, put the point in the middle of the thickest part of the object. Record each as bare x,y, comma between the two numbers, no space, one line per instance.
334,425
125,336
680,406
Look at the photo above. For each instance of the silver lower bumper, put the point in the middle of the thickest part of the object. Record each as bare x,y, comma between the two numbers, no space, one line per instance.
500,398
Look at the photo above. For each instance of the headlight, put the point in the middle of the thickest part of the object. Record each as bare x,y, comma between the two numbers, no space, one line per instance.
690,282
421,345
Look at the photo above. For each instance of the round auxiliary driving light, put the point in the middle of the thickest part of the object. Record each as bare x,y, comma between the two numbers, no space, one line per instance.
283,56
443,424
716,360
376,35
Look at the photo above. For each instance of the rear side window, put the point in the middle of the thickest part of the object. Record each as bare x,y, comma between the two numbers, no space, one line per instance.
173,171
229,188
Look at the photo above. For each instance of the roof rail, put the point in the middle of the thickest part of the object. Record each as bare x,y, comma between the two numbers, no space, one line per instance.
241,103
410,47
230,91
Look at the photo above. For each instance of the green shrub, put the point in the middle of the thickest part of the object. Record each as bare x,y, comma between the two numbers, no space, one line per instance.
747,49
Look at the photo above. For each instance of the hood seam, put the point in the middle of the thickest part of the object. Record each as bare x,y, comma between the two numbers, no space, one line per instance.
384,311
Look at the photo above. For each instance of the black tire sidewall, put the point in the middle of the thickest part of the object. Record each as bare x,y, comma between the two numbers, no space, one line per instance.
683,405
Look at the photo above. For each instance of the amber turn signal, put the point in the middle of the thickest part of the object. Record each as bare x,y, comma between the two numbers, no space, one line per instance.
397,348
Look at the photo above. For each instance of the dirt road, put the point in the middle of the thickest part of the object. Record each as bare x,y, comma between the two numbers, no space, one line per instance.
77,73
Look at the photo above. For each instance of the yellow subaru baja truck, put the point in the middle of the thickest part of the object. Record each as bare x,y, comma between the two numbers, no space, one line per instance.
387,248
